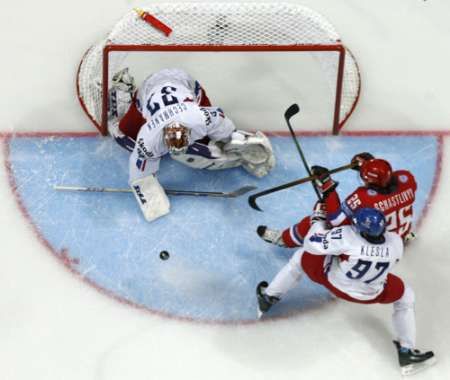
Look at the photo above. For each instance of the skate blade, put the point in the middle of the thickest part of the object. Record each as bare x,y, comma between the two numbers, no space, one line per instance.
412,369
259,313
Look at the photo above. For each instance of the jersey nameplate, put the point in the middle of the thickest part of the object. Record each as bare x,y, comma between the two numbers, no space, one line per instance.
164,116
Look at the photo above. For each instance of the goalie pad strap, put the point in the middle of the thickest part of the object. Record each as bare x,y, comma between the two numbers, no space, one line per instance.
151,197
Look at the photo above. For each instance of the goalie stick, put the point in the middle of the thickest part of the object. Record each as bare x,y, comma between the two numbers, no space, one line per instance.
217,194
252,198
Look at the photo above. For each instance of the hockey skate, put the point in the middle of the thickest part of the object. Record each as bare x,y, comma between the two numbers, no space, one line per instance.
265,301
409,238
413,361
270,236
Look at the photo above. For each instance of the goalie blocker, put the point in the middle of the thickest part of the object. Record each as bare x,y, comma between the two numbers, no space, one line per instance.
151,197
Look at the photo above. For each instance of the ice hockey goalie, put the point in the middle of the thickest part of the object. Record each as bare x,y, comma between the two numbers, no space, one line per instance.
171,114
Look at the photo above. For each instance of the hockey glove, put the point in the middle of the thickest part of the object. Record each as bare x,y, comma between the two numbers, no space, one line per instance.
324,183
359,159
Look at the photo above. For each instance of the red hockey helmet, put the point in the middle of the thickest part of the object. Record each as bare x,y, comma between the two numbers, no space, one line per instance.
376,172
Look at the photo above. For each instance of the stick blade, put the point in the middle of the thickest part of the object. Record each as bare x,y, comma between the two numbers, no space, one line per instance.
252,203
291,111
241,191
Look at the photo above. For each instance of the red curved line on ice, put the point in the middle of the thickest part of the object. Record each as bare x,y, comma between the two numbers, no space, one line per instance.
65,259
436,179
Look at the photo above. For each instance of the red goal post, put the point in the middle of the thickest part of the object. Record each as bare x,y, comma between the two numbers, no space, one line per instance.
219,27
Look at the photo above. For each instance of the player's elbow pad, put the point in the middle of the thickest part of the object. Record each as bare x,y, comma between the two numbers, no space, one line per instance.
151,197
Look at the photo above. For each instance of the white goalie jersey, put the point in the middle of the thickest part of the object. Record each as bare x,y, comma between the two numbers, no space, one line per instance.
150,146
171,96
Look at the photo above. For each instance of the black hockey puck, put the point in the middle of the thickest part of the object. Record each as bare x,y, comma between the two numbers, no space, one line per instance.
164,255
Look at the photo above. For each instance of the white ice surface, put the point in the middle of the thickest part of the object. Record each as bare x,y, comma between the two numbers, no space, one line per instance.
54,326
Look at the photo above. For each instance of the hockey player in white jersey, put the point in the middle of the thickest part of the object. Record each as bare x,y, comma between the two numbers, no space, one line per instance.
354,263
171,114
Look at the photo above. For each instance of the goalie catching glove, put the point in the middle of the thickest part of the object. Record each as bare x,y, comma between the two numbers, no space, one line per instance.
255,151
120,95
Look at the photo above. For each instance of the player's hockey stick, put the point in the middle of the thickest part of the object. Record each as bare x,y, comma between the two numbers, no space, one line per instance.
291,111
252,198
218,194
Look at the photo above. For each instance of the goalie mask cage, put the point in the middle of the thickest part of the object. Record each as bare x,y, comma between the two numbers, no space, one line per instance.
218,27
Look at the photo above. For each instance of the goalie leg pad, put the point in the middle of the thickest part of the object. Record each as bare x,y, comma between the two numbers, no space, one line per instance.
260,170
255,150
151,197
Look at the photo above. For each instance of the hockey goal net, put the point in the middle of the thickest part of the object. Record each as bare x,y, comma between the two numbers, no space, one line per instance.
172,28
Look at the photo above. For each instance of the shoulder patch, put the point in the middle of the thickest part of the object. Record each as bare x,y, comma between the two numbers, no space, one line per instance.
403,178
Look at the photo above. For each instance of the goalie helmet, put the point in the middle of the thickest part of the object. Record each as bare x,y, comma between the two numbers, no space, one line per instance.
176,137
376,172
369,221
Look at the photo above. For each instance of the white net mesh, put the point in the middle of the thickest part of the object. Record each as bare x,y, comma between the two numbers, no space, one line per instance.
219,24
